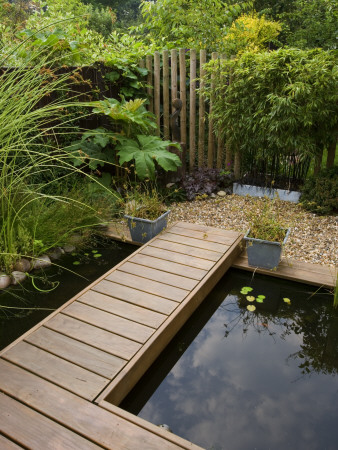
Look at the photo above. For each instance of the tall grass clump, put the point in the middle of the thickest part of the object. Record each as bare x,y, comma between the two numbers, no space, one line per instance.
35,170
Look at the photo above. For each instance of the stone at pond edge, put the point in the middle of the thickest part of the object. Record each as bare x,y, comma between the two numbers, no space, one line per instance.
18,277
221,193
56,253
41,262
23,265
5,280
68,248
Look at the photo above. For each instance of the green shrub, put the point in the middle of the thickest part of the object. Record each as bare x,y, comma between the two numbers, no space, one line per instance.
320,192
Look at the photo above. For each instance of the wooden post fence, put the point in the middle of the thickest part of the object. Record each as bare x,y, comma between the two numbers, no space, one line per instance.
178,75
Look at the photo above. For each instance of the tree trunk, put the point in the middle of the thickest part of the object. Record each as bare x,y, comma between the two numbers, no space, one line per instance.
237,165
331,154
318,162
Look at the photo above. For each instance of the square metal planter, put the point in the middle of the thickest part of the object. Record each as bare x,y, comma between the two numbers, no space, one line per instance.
264,254
142,230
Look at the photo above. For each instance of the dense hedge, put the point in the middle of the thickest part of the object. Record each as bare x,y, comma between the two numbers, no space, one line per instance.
320,192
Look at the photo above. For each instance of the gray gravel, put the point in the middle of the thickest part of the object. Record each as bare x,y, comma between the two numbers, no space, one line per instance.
313,238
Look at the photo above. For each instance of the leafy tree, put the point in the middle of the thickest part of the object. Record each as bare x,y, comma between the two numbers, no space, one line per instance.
312,24
306,23
127,12
189,23
251,33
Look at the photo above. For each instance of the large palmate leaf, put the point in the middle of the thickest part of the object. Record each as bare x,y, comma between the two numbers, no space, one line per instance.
145,150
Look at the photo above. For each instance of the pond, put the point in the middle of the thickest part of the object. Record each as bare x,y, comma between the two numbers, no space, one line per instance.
239,379
21,307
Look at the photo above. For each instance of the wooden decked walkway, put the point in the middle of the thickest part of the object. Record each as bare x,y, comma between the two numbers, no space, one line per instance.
62,381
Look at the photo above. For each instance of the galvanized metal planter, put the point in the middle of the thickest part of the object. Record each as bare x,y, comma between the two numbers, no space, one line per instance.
264,254
142,230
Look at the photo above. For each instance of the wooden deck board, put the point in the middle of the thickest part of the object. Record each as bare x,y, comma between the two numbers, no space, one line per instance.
153,287
168,266
109,322
159,275
6,444
104,428
313,274
179,258
136,297
123,309
63,373
76,352
26,426
96,337
186,249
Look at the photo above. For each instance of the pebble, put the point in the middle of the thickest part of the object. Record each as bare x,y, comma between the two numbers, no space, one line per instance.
41,262
23,265
56,253
5,280
221,193
68,248
18,277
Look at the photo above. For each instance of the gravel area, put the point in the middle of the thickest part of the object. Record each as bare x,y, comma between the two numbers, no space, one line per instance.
313,238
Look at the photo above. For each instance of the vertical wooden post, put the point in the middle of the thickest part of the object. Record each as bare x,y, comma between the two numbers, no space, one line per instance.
166,130
142,63
157,89
173,55
211,140
150,90
183,97
192,111
201,129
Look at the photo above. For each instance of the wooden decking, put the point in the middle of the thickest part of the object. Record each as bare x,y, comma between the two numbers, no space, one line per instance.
62,380
288,269
313,274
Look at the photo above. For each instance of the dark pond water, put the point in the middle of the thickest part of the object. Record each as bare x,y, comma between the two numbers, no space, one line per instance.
236,379
90,264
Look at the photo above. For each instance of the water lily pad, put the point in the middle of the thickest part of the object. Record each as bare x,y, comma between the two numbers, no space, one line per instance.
97,255
76,263
246,289
94,251
259,300
251,307
287,300
250,298
261,296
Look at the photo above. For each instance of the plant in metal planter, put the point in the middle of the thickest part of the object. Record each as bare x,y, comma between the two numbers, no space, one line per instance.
146,214
266,236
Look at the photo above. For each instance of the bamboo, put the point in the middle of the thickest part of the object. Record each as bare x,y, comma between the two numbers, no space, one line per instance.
192,111
229,151
211,136
157,89
166,101
150,89
173,78
237,165
201,121
183,96
220,141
